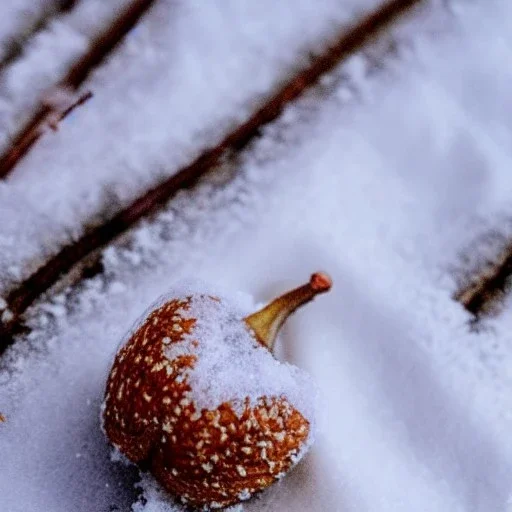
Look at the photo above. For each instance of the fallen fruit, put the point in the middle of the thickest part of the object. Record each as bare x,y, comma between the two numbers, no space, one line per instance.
196,396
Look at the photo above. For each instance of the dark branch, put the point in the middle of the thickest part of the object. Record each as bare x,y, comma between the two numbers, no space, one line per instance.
488,286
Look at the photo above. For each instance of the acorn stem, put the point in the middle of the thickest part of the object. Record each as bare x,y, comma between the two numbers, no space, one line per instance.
267,321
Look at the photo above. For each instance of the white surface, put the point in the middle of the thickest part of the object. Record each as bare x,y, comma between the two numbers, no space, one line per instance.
381,179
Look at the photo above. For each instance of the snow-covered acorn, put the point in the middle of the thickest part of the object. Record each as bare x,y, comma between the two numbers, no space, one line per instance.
196,396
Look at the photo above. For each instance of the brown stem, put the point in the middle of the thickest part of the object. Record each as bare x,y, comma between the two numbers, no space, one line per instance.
267,322
88,246
99,50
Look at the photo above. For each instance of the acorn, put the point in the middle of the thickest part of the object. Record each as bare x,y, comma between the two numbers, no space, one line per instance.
196,396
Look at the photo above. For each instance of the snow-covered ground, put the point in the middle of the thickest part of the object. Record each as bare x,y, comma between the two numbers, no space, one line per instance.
382,176
181,80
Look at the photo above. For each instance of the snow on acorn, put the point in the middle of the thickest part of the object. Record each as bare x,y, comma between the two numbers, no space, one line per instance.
196,396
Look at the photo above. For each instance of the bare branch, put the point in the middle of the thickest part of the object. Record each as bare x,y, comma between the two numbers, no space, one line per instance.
99,50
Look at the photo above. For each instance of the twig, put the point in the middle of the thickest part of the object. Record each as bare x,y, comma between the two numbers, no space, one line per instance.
488,286
79,101
38,283
51,118
99,49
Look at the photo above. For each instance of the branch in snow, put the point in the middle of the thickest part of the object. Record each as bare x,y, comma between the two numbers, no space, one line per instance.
62,107
99,50
88,245
16,43
488,286
56,106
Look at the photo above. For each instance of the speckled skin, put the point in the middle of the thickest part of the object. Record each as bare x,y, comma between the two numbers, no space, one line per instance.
209,458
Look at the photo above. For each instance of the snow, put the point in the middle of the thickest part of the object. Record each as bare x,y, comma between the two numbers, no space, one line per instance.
231,365
174,87
381,176
156,501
